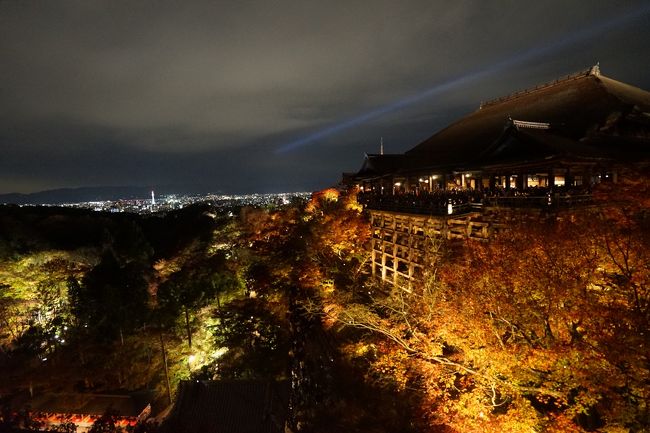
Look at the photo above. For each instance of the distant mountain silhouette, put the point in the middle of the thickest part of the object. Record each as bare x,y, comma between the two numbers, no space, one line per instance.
99,193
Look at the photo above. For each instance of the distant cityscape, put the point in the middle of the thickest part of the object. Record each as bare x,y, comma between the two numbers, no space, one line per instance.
170,202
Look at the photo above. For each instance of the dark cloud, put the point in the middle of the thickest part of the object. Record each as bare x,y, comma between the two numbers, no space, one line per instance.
123,92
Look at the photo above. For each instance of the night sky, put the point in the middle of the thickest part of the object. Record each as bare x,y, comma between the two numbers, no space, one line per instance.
273,96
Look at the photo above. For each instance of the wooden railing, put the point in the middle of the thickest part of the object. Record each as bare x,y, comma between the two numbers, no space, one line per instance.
550,202
547,201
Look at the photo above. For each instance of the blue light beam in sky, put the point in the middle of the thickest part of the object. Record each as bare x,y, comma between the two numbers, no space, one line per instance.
535,52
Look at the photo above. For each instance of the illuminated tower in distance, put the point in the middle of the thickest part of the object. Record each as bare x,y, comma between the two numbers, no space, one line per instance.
153,199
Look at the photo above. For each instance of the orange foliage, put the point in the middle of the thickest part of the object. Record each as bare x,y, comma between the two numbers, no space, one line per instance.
321,199
545,328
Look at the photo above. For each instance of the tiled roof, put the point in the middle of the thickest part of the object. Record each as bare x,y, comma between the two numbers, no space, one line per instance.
375,165
528,145
577,107
236,406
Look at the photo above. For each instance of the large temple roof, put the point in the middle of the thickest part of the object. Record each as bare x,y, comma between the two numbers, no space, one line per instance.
377,165
580,108
522,145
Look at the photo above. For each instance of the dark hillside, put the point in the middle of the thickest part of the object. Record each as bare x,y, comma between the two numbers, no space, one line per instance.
29,229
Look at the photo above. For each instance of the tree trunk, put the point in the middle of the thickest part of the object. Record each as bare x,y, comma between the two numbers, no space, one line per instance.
164,355
219,312
187,327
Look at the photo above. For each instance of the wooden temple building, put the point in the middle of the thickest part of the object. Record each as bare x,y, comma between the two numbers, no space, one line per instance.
539,150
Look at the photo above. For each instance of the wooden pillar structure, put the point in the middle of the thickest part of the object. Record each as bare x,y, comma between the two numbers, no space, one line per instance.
399,242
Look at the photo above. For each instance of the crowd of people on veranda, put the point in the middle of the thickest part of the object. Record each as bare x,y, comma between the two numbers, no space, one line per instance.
441,199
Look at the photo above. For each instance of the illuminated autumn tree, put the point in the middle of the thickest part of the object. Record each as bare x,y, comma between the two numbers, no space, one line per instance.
34,302
543,328
299,254
338,235
199,283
